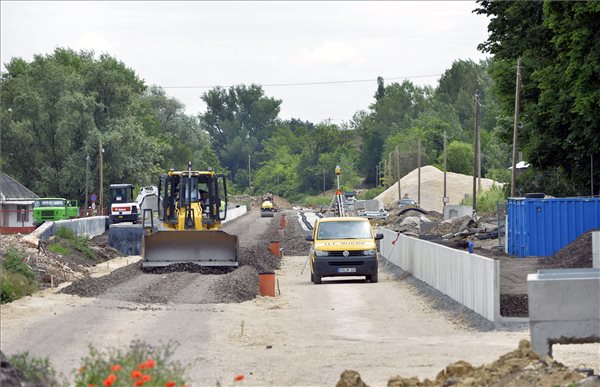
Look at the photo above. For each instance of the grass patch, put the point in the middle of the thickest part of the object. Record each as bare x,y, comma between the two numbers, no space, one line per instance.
487,200
69,241
57,248
316,200
370,194
14,286
36,371
65,233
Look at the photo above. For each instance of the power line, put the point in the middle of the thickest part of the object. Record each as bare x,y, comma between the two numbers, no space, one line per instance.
306,83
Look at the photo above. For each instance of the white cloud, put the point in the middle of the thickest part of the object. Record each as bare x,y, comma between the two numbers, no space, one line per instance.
331,53
95,41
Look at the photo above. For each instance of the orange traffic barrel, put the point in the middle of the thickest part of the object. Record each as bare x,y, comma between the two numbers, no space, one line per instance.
282,222
275,248
266,284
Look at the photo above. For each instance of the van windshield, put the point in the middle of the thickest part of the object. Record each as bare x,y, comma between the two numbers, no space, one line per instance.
344,230
49,203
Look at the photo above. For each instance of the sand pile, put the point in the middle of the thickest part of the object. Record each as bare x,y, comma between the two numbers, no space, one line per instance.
432,188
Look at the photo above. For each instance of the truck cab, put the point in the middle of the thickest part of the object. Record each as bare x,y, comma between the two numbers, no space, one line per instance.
53,209
122,206
343,246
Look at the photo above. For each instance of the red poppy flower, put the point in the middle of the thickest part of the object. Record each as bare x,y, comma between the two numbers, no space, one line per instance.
110,380
150,363
115,368
238,378
146,378
136,374
139,382
170,384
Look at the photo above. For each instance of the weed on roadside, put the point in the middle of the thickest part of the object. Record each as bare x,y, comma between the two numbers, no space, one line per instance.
140,365
17,279
36,371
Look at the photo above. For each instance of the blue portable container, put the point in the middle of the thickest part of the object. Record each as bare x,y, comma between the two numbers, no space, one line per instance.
541,227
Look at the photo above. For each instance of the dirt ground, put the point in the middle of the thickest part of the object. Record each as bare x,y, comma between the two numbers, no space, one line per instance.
306,336
191,284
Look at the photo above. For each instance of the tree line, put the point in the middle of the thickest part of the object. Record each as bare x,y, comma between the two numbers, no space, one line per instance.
56,109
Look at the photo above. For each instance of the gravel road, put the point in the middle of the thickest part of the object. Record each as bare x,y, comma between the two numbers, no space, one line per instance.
305,336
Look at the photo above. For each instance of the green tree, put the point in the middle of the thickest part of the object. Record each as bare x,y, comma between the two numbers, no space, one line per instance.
559,45
459,158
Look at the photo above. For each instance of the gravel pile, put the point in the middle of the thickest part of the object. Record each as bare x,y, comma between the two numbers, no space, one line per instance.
93,287
293,241
238,286
577,254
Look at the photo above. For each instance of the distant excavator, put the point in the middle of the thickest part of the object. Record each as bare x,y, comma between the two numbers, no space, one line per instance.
190,214
266,207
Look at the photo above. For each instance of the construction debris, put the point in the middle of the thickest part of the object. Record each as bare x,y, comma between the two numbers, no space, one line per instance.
521,367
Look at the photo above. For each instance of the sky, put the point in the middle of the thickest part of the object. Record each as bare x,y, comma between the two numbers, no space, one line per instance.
187,47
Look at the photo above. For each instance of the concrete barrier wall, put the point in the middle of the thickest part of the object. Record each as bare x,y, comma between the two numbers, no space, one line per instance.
235,212
563,308
90,227
596,249
470,279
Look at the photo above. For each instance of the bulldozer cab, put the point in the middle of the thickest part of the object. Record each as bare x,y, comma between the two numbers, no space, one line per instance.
190,213
197,194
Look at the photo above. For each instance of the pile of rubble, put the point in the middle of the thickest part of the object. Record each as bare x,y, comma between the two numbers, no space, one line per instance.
49,267
54,268
521,367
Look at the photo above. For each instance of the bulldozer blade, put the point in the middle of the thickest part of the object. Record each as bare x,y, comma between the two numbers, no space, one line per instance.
204,248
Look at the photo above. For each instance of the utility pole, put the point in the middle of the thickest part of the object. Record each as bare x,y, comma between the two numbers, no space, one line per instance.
390,174
478,131
385,171
398,172
445,199
419,167
101,151
87,181
376,175
323,179
475,152
515,131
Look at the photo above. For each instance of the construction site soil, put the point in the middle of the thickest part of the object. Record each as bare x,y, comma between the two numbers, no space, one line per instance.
54,268
181,283
521,367
513,270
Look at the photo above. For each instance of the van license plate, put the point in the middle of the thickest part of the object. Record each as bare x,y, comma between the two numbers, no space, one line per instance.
346,270
120,217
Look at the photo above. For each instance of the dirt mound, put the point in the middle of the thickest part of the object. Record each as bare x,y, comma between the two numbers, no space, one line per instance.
55,267
577,254
293,241
281,203
259,257
93,287
521,367
238,286
514,305
432,188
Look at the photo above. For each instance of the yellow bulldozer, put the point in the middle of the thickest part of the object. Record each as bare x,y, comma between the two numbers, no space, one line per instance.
192,205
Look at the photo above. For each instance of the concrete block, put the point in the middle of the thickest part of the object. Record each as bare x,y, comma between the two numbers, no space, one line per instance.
564,307
596,249
456,211
127,238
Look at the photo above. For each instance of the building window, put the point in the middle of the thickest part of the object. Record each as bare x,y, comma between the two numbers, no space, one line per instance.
22,213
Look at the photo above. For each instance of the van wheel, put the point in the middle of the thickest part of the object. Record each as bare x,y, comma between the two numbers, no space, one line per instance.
373,278
312,277
316,278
